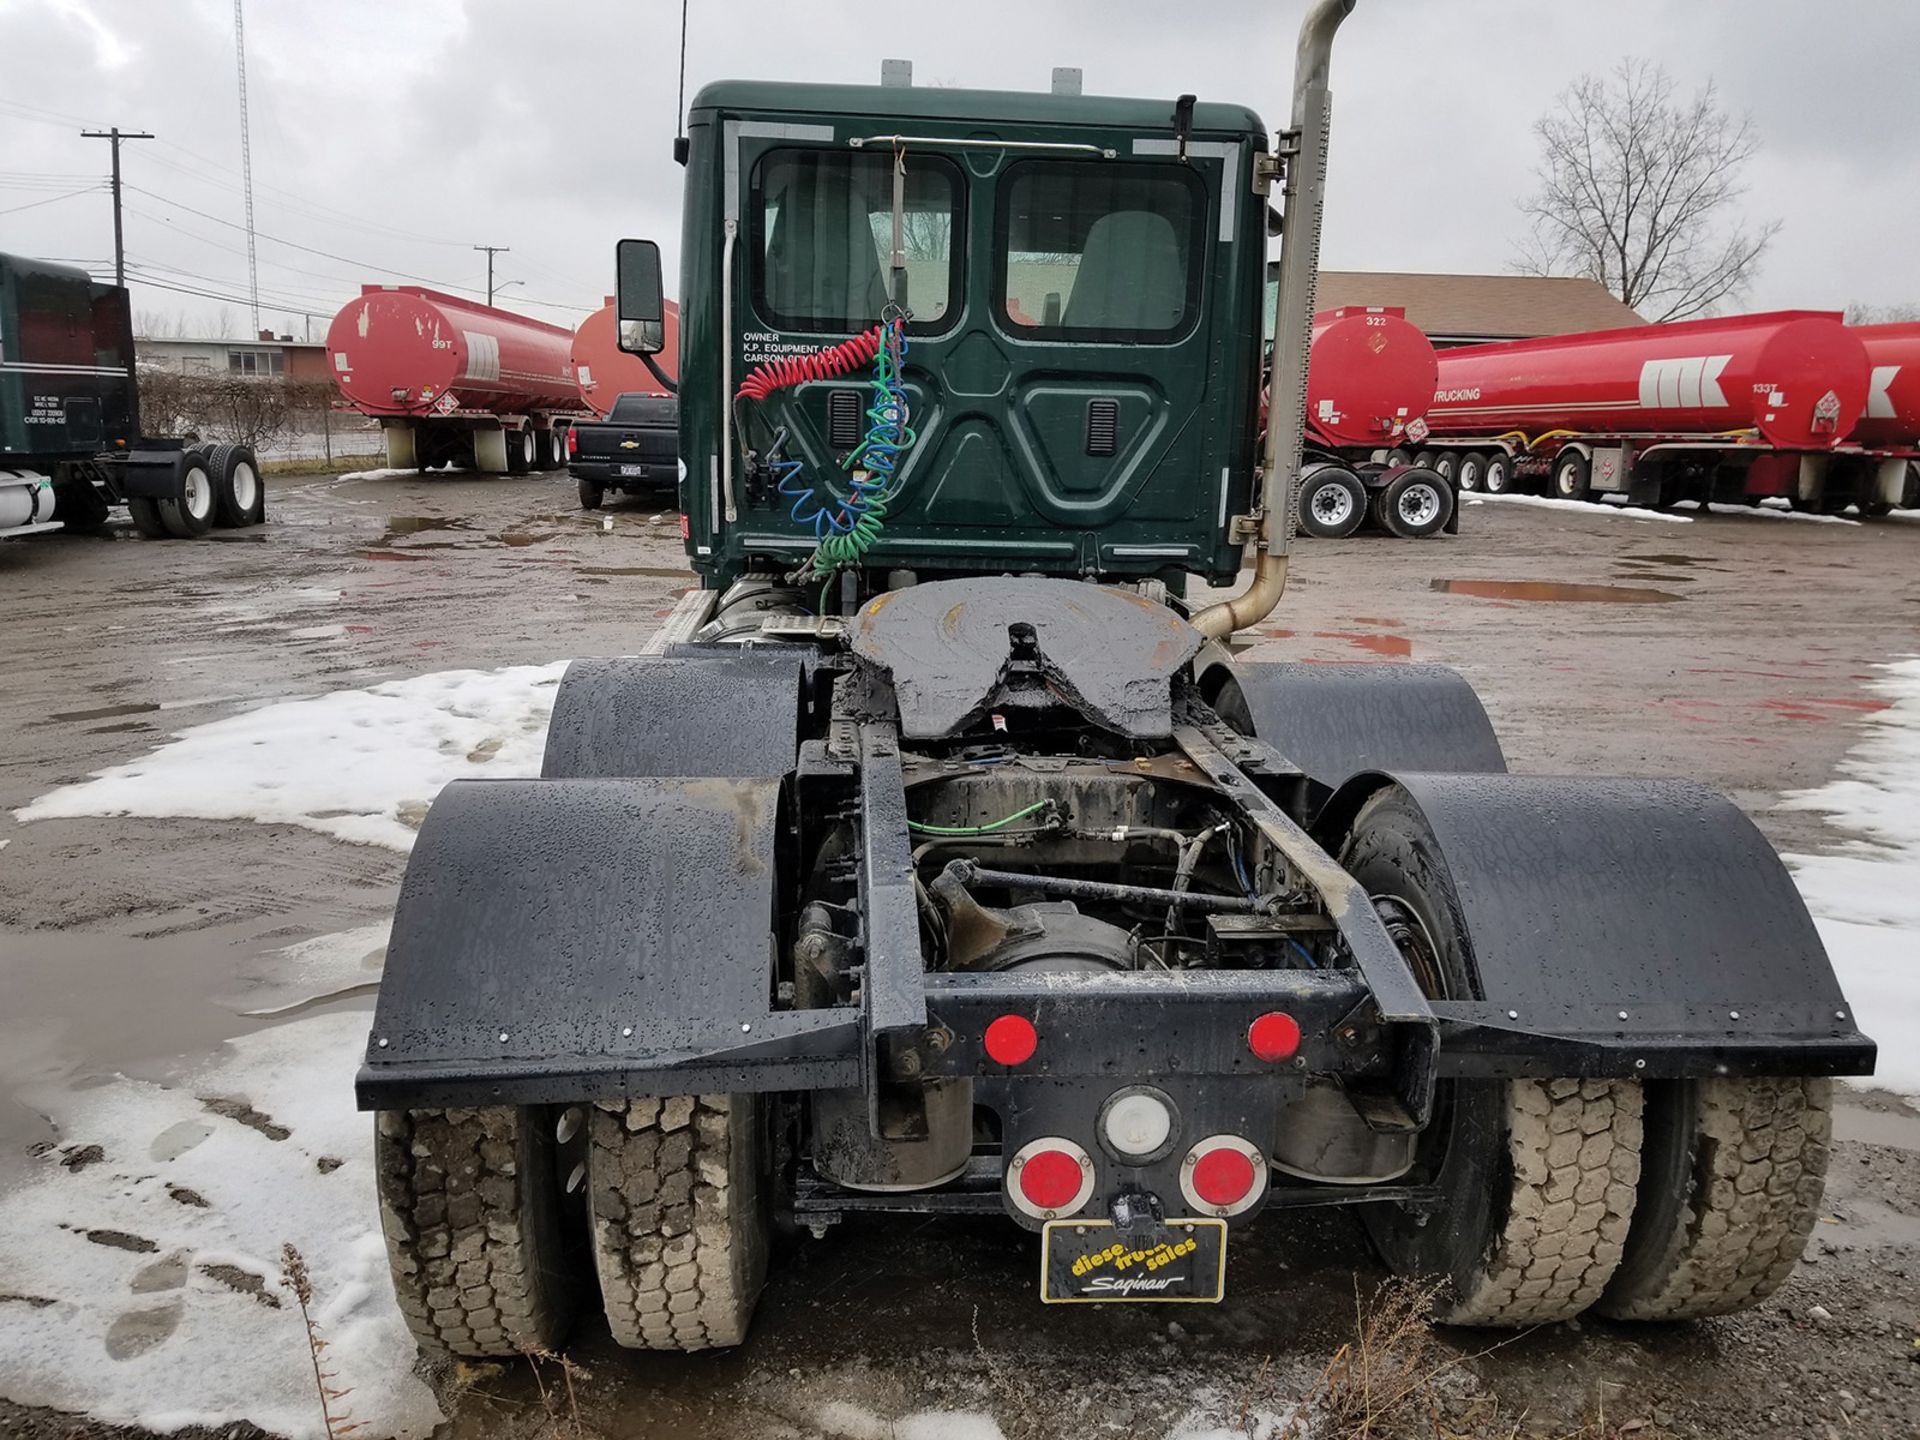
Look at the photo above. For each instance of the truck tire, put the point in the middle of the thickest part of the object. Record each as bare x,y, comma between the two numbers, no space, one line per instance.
470,1205
522,449
1496,474
1472,472
1413,505
1538,1176
190,516
1333,502
591,495
1446,464
678,1207
1730,1185
1572,477
1423,459
1399,455
238,497
556,457
145,515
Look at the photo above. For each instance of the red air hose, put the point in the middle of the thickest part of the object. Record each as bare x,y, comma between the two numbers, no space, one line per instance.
841,359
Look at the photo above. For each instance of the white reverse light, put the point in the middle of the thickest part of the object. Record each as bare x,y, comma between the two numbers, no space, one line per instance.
1137,1124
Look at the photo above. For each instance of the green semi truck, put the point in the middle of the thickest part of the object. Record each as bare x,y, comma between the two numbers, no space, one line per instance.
938,859
70,441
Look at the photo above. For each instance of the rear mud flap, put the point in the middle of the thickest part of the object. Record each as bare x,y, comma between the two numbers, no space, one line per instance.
583,939
1334,721
1624,927
677,717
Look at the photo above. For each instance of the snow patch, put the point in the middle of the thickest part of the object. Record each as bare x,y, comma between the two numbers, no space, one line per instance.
1580,507
848,1421
1764,511
359,765
138,1252
1865,897
316,969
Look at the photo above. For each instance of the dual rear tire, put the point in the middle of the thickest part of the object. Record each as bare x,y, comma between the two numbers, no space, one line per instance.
500,1220
1667,1201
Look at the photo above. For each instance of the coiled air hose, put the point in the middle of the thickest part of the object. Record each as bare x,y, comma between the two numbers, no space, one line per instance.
844,534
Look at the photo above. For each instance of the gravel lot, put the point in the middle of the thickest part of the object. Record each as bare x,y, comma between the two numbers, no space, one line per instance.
1732,649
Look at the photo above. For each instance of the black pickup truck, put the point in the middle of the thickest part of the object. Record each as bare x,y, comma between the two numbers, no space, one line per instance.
635,448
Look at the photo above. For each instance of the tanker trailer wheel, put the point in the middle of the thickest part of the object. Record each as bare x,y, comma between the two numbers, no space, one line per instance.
190,516
1333,502
1446,464
1413,505
1572,477
471,1202
1537,1176
1423,460
1730,1184
678,1196
1473,470
238,497
1496,475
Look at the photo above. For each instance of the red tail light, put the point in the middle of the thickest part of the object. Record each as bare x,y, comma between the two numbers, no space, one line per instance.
1223,1175
1274,1037
1011,1040
1050,1178
573,441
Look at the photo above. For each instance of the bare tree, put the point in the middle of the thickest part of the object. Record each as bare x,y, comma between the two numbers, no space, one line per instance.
1863,314
1639,190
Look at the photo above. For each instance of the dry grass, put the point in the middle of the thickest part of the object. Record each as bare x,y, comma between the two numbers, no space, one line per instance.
337,1420
1396,1380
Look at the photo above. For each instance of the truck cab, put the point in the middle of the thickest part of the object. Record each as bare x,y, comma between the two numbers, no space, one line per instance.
1080,292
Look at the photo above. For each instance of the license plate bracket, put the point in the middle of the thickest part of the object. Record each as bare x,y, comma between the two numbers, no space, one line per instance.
634,470
1085,1262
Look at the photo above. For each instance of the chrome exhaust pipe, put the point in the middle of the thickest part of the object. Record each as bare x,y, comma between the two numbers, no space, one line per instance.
1303,149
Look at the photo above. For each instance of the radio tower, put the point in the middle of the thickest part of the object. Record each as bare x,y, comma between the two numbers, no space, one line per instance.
246,159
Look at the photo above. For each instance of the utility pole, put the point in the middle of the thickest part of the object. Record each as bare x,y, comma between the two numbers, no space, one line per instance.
492,250
116,135
246,161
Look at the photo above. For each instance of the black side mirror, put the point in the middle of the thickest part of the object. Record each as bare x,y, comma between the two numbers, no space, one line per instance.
641,306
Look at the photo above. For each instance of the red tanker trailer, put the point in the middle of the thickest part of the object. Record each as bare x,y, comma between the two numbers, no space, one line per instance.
1370,378
455,382
1734,408
1879,468
605,372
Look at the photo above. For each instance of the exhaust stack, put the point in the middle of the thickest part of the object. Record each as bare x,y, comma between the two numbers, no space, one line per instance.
1303,149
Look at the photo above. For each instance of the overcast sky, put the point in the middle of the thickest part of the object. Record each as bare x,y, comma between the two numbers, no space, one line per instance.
398,135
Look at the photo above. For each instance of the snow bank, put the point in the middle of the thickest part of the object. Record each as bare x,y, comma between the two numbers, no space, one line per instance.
1865,897
845,1420
358,765
143,1287
1580,507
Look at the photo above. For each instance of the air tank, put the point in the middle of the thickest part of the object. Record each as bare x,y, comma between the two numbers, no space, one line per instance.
605,371
401,350
1370,374
1892,421
1797,377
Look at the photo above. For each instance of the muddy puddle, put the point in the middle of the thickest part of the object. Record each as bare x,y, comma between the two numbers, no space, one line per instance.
80,1006
1553,590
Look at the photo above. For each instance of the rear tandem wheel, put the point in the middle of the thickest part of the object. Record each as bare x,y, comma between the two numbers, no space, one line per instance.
1539,1176
678,1199
470,1201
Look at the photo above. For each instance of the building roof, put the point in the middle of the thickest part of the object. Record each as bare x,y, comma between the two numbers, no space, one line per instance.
1481,307
240,342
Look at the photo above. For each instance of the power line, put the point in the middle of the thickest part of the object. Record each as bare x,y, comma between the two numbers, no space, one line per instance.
93,189
346,259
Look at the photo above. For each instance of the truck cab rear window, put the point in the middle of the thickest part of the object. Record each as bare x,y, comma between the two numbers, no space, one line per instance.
1099,251
825,239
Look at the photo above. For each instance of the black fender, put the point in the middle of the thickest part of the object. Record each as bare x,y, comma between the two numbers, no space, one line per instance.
1622,926
733,714
561,940
1334,721
154,473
